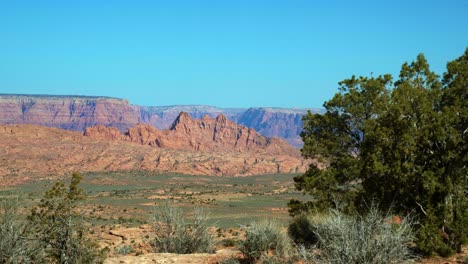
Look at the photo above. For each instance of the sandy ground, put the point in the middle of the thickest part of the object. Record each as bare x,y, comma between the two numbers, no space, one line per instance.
166,258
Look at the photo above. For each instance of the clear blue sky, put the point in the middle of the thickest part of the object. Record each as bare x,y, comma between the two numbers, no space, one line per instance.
288,53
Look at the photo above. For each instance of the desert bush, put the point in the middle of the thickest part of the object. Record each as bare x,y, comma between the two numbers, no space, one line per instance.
58,229
230,261
371,238
123,250
229,242
273,259
16,242
173,234
301,231
305,254
263,239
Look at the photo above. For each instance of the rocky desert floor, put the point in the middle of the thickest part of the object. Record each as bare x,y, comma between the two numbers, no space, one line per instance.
219,256
119,204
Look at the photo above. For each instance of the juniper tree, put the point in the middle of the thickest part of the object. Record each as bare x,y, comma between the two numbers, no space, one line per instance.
64,238
402,144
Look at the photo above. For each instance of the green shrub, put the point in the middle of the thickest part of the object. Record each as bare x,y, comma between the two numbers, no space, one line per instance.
58,228
174,235
301,231
371,238
230,261
123,250
265,238
229,242
16,241
305,254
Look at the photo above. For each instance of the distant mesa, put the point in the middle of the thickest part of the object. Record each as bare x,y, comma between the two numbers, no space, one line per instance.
67,112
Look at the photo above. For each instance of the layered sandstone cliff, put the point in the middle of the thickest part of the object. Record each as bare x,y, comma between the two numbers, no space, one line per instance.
71,113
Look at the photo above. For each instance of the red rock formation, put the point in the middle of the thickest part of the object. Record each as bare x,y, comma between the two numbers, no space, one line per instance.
79,112
206,134
102,132
29,152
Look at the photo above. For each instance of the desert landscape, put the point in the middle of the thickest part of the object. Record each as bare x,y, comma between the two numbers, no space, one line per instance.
233,132
200,147
239,176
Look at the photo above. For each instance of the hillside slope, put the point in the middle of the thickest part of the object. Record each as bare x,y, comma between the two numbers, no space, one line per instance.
30,152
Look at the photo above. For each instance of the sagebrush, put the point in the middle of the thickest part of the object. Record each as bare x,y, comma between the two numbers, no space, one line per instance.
174,234
263,239
17,243
362,239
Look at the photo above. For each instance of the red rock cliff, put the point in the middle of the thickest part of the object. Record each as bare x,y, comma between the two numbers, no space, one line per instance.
71,113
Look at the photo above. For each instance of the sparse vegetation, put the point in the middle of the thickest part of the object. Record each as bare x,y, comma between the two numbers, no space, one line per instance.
263,239
370,238
64,238
17,244
173,234
301,232
229,242
123,250
115,208
230,261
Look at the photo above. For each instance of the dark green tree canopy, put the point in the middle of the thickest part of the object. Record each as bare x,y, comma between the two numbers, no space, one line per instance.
402,144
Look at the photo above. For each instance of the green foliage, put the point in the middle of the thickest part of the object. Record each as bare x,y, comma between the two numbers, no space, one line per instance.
371,238
301,231
175,235
402,144
230,261
264,238
274,259
229,242
306,254
17,244
61,234
123,250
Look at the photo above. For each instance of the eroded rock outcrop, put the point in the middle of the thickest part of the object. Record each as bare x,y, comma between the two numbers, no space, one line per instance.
206,134
29,152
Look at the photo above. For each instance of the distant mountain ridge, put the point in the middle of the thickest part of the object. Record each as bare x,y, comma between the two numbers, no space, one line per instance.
79,112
